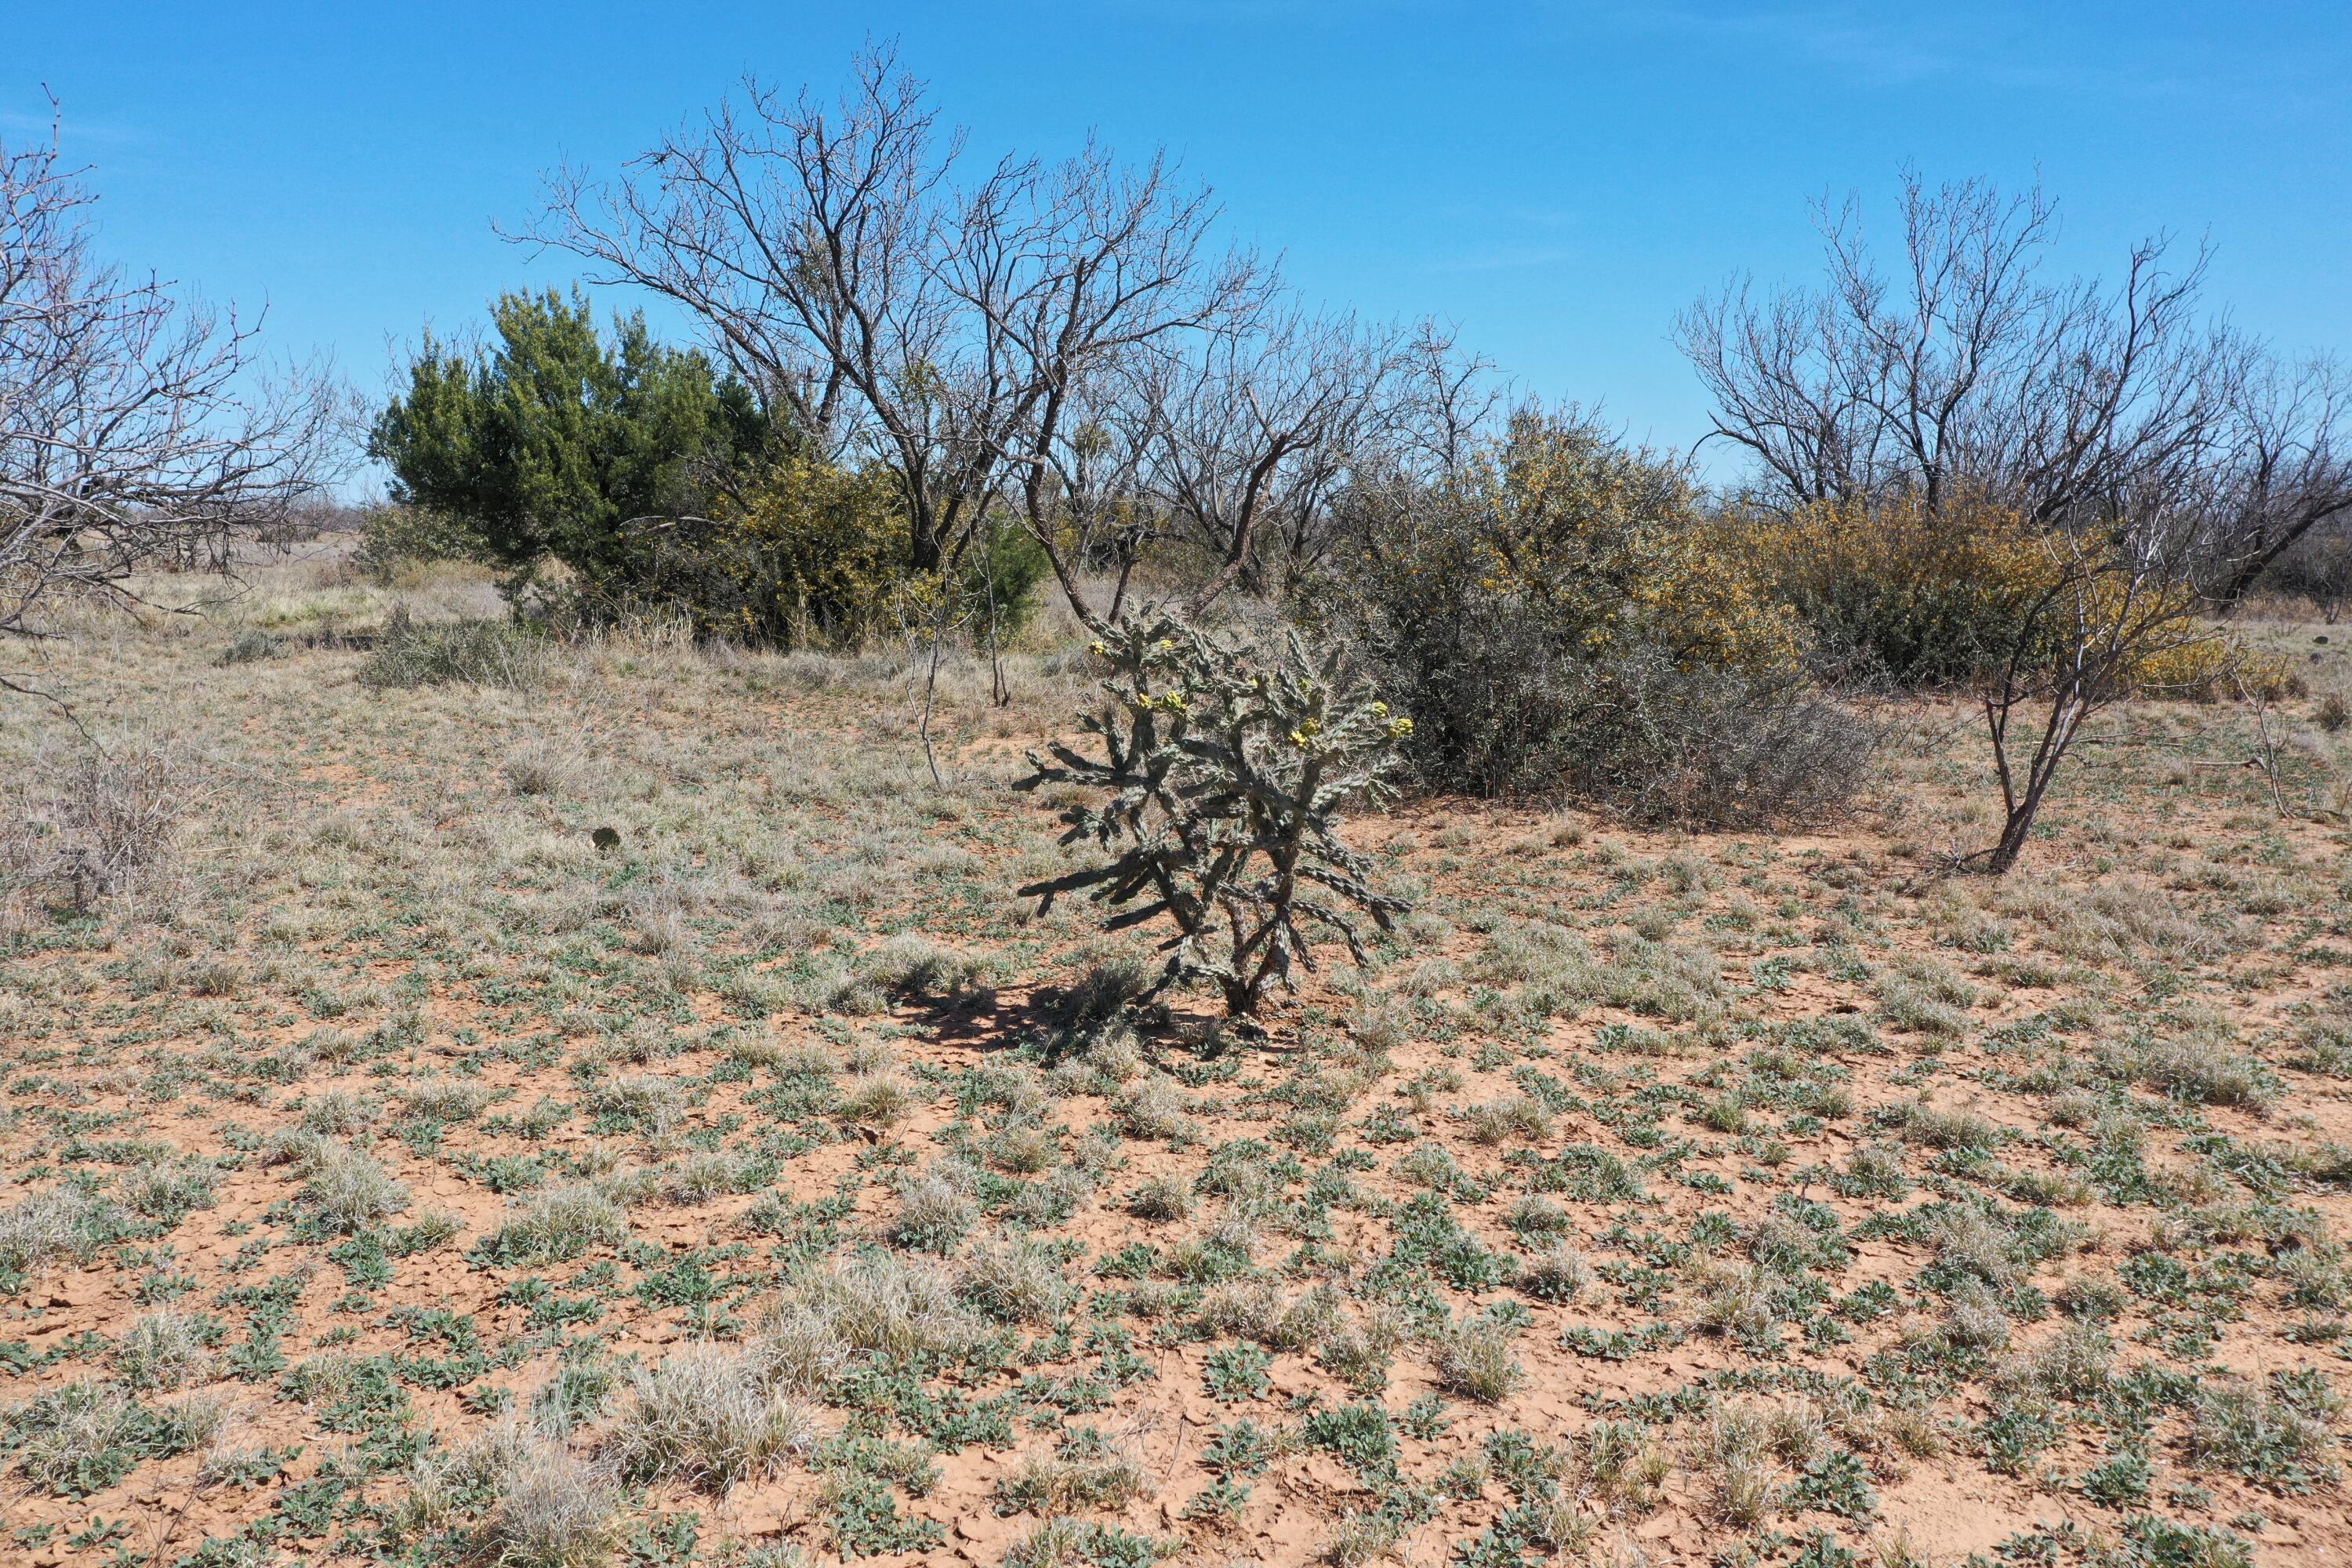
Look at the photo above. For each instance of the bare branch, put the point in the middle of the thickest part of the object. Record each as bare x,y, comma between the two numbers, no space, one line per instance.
943,326
1968,374
136,424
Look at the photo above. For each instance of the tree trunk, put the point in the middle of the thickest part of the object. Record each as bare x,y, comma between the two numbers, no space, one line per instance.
2248,571
2018,827
2013,833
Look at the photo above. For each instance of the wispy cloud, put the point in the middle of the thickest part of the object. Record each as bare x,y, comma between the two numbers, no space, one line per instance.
2028,50
1885,50
2027,47
1228,11
36,118
1504,258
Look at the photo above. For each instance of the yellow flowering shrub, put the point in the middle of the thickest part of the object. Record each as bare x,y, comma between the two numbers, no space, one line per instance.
805,553
820,555
1944,598
1600,545
1930,597
1607,542
2209,664
1556,614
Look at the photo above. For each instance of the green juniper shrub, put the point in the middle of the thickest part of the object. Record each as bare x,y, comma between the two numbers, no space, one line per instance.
556,443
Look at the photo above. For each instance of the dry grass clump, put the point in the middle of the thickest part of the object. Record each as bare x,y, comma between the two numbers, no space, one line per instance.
1625,1463
1535,1217
936,1211
1361,1538
1153,1108
1784,1243
553,1509
2264,1433
712,1417
1557,1273
1969,1240
1740,1473
163,1349
799,1348
445,1099
495,653
1059,1543
2205,1069
92,825
910,964
1358,1348
1160,1197
1522,1117
1552,971
167,1189
702,1177
345,1188
760,1050
77,1437
1927,998
1013,1282
2072,1363
1476,1361
873,1302
1740,1301
1943,1127
643,1102
539,767
876,1099
561,1224
1259,1310
339,1113
1974,1320
1022,1151
2112,921
53,1226
1106,1060
1088,1474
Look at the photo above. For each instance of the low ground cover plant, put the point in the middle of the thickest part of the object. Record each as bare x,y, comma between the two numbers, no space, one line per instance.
866,1208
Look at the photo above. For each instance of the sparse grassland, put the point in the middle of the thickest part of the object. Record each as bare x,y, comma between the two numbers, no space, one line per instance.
389,1170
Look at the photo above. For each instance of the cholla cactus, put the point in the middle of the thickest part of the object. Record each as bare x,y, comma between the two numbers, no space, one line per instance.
1221,781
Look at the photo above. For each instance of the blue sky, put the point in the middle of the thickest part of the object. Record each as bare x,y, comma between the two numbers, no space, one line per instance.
1557,178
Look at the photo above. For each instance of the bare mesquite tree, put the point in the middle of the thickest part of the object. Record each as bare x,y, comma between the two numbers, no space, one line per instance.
1067,342
943,325
1102,275
1089,493
1441,404
2115,604
1255,428
2288,471
1246,438
1960,372
2158,455
136,424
